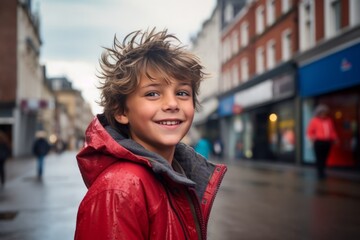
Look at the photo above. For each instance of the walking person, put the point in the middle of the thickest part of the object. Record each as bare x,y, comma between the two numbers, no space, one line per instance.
321,132
143,183
4,155
41,148
218,149
203,147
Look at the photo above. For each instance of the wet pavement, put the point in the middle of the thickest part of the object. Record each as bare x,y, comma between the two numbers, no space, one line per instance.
267,201
31,209
256,201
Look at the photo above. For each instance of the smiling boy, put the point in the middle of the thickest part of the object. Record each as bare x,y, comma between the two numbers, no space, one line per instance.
143,183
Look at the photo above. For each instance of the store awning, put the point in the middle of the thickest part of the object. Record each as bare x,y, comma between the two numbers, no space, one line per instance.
207,108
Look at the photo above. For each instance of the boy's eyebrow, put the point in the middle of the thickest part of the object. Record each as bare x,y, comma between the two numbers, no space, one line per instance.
153,84
150,85
185,83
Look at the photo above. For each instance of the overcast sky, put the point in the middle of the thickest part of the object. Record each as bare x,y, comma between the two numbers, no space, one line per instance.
73,32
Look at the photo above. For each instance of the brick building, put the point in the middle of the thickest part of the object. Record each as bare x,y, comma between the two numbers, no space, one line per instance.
22,91
280,58
258,99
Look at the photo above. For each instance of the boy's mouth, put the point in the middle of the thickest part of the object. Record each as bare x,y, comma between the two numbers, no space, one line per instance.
169,123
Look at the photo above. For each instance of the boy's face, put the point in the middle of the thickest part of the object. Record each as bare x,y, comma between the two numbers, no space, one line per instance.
158,113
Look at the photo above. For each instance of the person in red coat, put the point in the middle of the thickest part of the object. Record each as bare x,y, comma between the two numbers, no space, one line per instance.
322,133
143,183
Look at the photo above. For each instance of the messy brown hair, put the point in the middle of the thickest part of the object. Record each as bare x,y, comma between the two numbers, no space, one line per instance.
123,65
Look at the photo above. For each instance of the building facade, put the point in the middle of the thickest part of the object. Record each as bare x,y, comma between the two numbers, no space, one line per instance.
22,95
258,104
28,103
206,45
73,113
329,63
279,59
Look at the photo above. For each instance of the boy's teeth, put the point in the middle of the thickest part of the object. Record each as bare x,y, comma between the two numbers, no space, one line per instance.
169,122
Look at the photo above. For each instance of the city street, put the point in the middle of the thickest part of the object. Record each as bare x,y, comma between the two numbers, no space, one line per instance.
256,201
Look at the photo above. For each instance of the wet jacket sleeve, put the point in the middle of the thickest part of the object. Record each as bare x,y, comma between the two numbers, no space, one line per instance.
112,214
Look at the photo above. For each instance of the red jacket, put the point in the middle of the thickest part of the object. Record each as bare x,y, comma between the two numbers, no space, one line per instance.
321,129
135,194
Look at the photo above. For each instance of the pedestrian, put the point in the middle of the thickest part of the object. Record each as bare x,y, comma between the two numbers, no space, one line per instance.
321,132
203,147
41,148
143,183
218,148
4,155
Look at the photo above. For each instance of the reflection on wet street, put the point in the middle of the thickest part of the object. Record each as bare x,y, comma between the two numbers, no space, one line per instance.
255,201
264,201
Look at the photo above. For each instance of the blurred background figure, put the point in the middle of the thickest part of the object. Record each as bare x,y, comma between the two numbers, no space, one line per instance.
203,147
4,155
40,149
321,132
218,148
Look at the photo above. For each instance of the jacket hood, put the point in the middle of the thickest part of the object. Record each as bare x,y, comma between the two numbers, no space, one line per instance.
105,146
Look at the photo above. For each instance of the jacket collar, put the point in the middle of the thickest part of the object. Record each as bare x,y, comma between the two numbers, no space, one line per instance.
102,138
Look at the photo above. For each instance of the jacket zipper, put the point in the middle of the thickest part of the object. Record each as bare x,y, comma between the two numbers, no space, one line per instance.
176,213
222,174
200,217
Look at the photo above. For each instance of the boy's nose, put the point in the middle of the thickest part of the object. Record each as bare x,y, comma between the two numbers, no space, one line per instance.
170,104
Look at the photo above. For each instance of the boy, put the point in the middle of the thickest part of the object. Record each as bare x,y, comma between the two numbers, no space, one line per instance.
142,182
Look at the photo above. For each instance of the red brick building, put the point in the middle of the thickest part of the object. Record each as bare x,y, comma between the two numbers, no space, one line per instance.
257,104
280,58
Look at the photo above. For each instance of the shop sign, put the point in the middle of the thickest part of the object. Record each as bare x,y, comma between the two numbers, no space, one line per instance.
333,72
345,65
30,104
284,86
226,106
260,93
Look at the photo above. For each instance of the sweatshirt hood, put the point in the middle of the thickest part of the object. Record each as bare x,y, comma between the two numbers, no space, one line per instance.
105,146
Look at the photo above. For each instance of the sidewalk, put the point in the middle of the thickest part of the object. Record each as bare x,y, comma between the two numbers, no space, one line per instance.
37,210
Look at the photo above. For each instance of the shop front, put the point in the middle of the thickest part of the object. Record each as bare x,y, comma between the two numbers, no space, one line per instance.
334,80
258,122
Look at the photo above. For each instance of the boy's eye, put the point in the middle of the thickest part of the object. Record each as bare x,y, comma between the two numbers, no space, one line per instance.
151,94
183,93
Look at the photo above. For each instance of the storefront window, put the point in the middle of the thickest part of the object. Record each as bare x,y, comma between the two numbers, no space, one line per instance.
284,130
241,137
307,110
345,115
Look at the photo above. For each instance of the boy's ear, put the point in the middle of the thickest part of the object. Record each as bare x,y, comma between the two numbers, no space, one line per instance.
122,118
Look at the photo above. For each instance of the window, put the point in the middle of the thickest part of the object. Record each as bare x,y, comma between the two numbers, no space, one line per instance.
56,84
285,6
286,47
336,12
270,52
244,34
226,53
235,42
227,82
228,13
244,70
270,12
223,80
332,17
307,24
354,10
259,60
259,19
235,75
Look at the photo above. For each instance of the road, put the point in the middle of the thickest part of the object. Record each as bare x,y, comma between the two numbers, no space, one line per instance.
256,201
